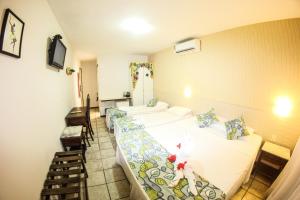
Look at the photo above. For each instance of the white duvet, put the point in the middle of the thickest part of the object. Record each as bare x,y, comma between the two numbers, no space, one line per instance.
225,163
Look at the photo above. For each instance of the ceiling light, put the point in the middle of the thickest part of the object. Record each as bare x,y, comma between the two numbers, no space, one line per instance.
136,26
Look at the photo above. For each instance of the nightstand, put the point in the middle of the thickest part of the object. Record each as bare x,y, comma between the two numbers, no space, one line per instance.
272,160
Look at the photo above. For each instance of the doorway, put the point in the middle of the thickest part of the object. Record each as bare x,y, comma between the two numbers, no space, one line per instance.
89,82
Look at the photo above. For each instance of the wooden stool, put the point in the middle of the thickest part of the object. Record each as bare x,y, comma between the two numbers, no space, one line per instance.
73,138
65,175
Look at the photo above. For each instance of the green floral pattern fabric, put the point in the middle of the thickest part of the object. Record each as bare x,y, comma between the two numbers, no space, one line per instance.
127,123
113,114
236,128
148,161
205,120
152,102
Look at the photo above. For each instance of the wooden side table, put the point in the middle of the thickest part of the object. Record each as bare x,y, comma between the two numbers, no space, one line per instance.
272,160
73,138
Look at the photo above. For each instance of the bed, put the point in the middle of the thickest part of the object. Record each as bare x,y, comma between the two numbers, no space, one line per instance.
224,164
133,110
170,115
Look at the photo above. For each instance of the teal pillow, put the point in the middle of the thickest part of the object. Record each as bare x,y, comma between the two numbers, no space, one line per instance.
152,102
207,119
236,128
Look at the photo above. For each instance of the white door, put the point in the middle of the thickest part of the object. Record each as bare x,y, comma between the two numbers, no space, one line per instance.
89,81
148,86
138,91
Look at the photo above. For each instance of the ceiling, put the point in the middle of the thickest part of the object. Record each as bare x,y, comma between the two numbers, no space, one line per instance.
93,27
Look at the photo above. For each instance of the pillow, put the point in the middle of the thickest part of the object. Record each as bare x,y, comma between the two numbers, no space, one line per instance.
161,104
236,128
180,111
152,102
207,119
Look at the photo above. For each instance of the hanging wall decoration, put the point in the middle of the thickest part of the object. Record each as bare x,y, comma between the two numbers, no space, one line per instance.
11,34
134,71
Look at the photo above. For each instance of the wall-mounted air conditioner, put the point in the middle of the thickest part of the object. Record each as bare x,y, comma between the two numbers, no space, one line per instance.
192,45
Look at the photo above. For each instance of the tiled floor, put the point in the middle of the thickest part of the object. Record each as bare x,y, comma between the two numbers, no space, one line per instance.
106,178
108,181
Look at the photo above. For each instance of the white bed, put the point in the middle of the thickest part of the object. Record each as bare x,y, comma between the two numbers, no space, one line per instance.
143,109
170,115
225,163
138,110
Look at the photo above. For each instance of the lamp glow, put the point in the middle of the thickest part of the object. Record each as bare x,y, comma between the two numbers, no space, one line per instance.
283,106
136,26
187,92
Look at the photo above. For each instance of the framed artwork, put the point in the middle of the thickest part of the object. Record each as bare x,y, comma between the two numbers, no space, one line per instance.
11,34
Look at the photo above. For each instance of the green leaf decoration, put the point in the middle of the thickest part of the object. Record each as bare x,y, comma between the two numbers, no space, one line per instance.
211,194
132,165
169,165
198,198
160,181
154,173
169,176
152,193
163,169
142,174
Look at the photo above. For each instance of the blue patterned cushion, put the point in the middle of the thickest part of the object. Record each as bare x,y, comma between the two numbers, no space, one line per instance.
236,128
152,102
207,119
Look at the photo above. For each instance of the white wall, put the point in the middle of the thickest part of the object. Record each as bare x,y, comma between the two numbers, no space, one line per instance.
34,101
114,74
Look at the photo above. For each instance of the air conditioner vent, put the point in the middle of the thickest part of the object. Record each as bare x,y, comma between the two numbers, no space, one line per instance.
192,45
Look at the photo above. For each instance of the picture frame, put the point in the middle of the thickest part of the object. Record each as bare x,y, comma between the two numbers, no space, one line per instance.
11,34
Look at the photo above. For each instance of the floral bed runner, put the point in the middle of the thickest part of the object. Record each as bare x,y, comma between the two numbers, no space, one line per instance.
154,172
127,123
113,114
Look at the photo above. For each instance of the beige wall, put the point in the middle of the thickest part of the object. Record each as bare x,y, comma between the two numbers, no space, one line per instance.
239,71
34,101
89,81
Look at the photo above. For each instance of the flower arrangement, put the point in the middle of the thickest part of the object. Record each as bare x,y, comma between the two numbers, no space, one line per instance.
182,170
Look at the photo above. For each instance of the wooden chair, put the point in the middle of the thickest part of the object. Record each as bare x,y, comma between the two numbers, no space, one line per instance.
66,173
88,114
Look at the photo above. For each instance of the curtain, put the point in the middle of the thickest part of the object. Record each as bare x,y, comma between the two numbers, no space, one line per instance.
134,68
287,185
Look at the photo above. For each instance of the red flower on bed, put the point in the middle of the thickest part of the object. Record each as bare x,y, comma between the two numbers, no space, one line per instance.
181,165
172,158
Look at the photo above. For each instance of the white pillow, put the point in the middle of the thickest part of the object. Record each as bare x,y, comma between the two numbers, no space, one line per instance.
180,111
161,104
220,129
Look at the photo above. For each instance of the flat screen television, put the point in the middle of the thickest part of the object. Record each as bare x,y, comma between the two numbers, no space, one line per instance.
57,52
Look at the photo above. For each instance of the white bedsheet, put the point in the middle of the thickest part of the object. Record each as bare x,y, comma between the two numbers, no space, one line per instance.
225,163
155,119
159,118
143,109
138,110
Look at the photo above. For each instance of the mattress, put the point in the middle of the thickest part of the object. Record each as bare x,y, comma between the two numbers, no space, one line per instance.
225,163
138,110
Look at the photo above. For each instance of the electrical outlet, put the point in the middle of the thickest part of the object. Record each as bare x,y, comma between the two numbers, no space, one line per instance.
273,138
